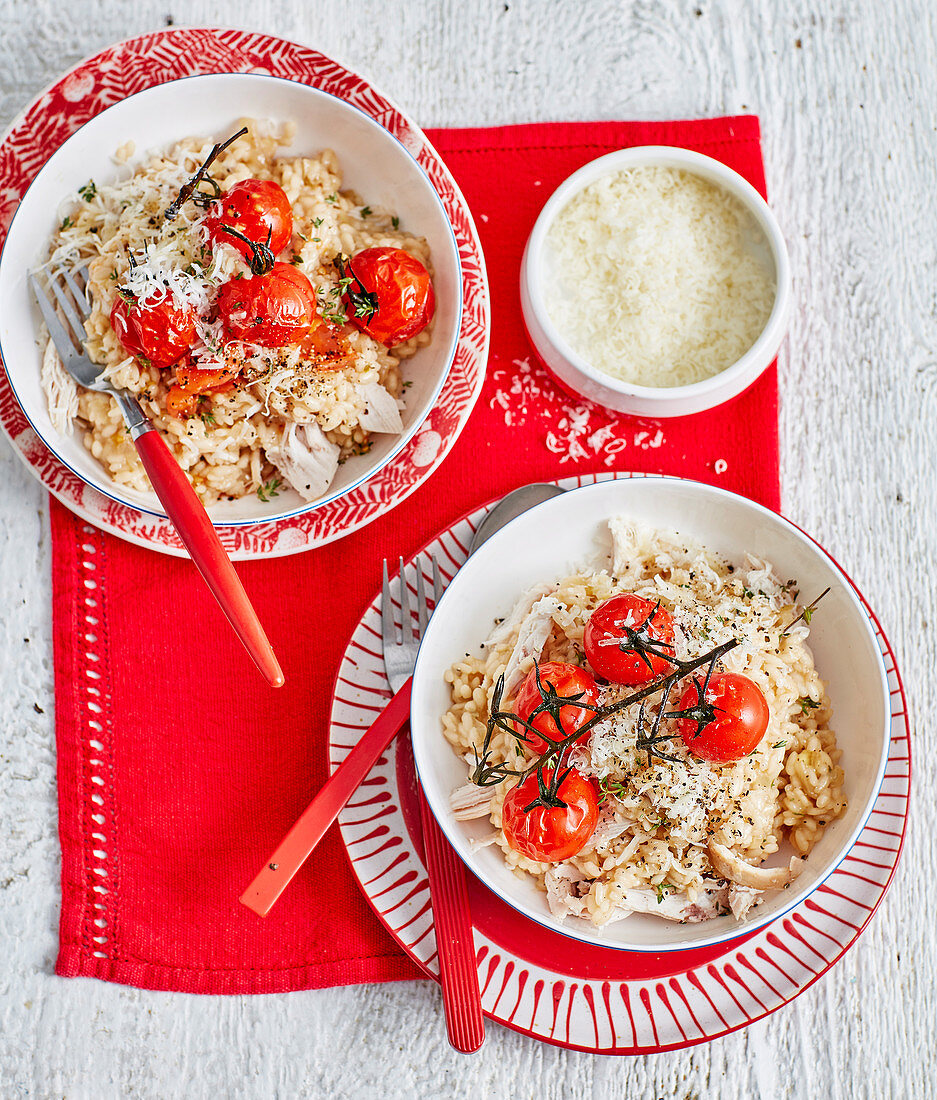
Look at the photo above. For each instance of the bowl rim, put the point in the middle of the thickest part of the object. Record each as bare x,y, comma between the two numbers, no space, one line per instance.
460,844
105,487
748,366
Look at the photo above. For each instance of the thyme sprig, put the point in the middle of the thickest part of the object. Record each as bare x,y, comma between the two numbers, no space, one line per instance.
191,190
806,614
550,767
330,303
269,489
364,302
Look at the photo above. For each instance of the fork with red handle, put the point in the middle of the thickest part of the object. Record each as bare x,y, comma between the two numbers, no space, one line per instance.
64,305
455,943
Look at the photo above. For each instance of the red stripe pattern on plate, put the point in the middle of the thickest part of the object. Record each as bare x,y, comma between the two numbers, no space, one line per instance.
629,1016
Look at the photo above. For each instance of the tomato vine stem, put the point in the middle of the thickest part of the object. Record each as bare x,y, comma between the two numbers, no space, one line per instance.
554,758
190,190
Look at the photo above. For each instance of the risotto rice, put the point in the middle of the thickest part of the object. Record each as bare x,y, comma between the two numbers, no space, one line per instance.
659,822
226,449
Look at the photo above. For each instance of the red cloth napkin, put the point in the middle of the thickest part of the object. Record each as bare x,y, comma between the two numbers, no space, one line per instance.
179,770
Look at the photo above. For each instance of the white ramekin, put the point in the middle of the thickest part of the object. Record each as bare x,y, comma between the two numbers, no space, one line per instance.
574,373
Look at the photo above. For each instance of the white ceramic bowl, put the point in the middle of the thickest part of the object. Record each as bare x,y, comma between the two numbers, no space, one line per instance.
574,372
374,163
564,533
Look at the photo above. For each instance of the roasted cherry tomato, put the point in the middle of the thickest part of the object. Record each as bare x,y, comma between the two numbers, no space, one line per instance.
181,404
740,718
291,274
327,346
391,297
159,333
628,658
566,680
255,208
191,383
550,834
271,310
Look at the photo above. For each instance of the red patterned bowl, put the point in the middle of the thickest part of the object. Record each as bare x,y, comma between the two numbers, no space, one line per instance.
376,164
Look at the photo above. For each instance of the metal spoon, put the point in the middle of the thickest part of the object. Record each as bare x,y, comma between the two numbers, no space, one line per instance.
509,507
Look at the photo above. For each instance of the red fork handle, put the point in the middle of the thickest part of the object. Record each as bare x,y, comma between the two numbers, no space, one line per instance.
455,944
296,846
191,521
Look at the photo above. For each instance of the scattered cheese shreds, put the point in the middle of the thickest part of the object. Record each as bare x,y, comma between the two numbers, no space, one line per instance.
156,273
576,432
659,278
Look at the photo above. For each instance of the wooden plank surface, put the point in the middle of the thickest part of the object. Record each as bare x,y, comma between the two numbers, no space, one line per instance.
847,94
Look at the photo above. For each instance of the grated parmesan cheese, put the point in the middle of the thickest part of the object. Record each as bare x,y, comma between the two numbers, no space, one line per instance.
660,278
155,274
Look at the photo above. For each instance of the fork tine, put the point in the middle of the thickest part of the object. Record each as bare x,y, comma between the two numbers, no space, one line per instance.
388,633
78,293
406,623
437,582
63,342
71,314
422,610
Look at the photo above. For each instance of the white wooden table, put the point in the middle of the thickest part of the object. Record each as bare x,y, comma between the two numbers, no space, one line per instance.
847,94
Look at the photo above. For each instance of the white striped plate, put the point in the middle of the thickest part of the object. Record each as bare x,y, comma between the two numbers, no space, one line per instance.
574,994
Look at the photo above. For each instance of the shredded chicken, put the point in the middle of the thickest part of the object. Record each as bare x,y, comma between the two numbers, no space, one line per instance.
61,390
610,825
519,613
673,905
306,459
565,887
534,631
483,842
736,870
381,413
470,801
741,899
